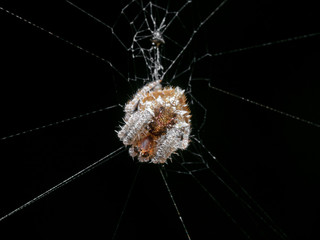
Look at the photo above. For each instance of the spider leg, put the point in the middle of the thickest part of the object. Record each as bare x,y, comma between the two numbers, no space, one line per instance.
166,145
137,122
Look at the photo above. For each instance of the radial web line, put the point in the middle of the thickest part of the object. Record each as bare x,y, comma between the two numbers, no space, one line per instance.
126,203
176,15
58,122
266,107
175,205
194,33
219,205
99,21
64,40
264,216
66,181
261,45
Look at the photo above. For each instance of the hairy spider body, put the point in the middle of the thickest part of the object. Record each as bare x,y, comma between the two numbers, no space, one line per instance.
157,123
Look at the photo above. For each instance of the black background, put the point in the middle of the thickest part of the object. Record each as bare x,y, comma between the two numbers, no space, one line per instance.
274,157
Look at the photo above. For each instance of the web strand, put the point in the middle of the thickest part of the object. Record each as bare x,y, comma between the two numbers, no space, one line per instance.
266,44
174,204
285,114
126,203
63,39
194,33
66,181
264,217
57,122
99,21
224,210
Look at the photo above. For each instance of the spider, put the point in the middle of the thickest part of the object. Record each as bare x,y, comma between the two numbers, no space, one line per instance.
157,123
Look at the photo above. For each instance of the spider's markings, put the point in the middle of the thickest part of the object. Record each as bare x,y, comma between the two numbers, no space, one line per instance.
66,181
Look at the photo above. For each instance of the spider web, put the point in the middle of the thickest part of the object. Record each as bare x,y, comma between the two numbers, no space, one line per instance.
272,155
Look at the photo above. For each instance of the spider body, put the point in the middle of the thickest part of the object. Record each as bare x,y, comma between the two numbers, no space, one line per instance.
157,123
157,39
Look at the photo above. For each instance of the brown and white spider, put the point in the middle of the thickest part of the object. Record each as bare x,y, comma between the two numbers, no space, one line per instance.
157,123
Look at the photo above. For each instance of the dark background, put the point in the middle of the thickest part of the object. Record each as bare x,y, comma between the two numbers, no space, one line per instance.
275,158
